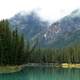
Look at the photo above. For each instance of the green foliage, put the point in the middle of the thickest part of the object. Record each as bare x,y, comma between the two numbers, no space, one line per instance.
11,45
15,51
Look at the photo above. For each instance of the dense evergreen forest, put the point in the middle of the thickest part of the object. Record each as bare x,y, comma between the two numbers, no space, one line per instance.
14,50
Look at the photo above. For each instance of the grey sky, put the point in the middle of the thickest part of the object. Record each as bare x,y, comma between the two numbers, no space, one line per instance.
48,9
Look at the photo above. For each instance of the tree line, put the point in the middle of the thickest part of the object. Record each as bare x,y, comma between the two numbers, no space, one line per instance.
14,50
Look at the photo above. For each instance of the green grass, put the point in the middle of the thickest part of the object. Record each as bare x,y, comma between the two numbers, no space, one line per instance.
9,69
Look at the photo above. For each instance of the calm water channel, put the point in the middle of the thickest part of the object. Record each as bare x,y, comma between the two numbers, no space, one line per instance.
43,73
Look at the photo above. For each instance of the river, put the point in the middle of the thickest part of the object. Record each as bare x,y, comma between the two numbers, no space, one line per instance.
43,73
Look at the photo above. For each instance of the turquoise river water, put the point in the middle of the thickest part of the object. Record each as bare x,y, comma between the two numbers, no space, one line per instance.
43,73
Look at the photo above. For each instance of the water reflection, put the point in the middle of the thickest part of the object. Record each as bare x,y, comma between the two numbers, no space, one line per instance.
42,73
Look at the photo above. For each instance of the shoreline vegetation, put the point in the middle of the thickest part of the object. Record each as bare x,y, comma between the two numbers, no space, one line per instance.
16,68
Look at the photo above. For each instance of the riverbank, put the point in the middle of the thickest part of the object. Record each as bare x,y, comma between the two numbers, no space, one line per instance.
16,68
68,65
57,65
9,69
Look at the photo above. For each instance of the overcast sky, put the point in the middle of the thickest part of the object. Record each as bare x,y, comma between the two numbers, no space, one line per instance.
48,9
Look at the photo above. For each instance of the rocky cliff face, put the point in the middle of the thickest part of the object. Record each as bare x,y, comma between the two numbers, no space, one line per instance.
64,32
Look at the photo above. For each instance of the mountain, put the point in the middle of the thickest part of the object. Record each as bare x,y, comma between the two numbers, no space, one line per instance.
62,33
28,24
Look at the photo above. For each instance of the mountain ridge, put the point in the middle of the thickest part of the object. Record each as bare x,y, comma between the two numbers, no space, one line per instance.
60,34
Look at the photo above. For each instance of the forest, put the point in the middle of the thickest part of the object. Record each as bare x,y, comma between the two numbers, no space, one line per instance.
15,50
